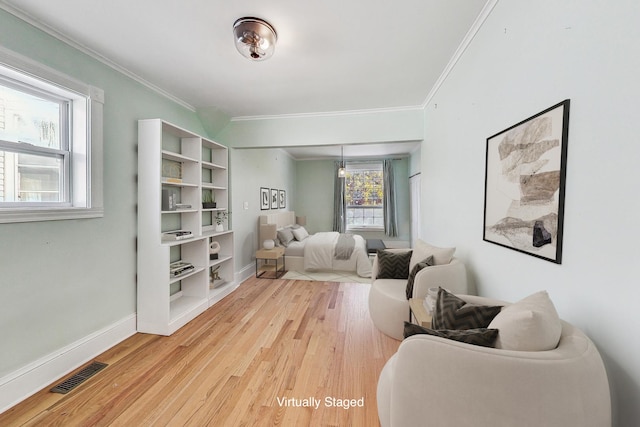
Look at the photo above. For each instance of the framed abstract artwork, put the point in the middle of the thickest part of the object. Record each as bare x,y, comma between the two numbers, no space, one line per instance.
525,184
274,198
282,199
264,198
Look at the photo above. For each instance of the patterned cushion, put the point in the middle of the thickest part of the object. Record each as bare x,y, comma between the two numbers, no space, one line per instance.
414,271
452,312
479,336
393,265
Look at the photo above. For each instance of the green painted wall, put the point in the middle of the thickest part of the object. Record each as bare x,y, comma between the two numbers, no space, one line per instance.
64,280
250,170
314,187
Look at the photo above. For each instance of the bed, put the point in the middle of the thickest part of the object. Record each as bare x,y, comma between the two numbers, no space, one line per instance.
321,251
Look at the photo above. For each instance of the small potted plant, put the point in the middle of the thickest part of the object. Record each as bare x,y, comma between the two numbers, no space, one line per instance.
221,216
208,200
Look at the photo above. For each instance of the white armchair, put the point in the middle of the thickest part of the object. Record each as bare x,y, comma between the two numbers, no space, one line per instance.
388,304
439,382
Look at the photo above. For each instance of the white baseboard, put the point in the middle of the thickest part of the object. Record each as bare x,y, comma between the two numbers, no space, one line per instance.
26,381
246,272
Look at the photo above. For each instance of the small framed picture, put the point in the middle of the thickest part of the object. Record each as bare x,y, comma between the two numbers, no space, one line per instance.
274,198
264,199
282,203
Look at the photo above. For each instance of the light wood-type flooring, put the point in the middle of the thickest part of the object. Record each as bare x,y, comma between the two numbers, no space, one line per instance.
270,344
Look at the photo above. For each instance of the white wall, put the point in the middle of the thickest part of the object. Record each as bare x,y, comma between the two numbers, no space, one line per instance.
326,129
528,56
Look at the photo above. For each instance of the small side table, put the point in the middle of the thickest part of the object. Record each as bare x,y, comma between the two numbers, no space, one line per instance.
270,263
419,314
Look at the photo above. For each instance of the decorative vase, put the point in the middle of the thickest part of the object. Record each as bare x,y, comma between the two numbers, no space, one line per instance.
219,227
214,249
268,244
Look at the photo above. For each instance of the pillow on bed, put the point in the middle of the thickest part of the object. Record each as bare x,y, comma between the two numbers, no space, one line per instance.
300,233
285,236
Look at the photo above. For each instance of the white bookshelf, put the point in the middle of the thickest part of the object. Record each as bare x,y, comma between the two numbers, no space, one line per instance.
173,161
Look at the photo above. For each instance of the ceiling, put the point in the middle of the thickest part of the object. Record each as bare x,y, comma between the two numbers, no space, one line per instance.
331,56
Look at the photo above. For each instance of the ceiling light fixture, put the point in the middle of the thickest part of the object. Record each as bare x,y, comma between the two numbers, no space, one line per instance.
255,38
342,171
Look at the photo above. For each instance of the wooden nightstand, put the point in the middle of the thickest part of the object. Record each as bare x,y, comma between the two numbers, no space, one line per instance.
419,314
270,263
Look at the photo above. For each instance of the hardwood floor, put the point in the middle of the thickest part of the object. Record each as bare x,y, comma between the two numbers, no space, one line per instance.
246,361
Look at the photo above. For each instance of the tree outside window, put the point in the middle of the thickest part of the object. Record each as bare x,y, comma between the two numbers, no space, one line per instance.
364,196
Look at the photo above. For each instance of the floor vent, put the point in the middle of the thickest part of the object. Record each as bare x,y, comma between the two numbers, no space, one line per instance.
72,382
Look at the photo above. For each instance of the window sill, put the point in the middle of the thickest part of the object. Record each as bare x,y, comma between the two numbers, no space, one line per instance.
361,229
48,214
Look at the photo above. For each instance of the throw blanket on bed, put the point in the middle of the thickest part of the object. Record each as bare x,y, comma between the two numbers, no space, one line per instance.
321,253
344,246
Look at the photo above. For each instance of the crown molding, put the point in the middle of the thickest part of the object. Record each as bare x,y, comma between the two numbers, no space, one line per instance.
468,38
42,26
328,113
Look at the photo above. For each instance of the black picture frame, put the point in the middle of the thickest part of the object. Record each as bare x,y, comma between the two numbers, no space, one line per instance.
274,198
282,199
525,178
264,199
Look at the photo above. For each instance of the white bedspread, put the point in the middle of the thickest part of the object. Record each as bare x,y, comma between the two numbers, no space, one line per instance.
319,254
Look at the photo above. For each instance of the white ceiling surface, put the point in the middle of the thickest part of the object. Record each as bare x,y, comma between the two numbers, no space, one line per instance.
331,56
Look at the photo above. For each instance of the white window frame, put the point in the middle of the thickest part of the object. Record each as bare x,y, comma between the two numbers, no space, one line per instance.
365,165
82,152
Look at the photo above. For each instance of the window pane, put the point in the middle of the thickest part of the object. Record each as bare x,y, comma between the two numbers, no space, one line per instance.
364,197
28,118
30,178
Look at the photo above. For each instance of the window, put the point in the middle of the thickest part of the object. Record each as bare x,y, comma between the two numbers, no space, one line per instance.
364,196
50,144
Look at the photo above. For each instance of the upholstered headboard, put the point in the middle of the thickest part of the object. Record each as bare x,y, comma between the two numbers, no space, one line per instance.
280,219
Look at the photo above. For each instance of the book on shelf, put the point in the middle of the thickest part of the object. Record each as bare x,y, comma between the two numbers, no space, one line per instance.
177,235
179,268
169,199
170,180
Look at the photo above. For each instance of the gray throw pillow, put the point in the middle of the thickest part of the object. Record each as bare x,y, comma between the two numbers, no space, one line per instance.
428,262
479,336
452,312
285,236
393,265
